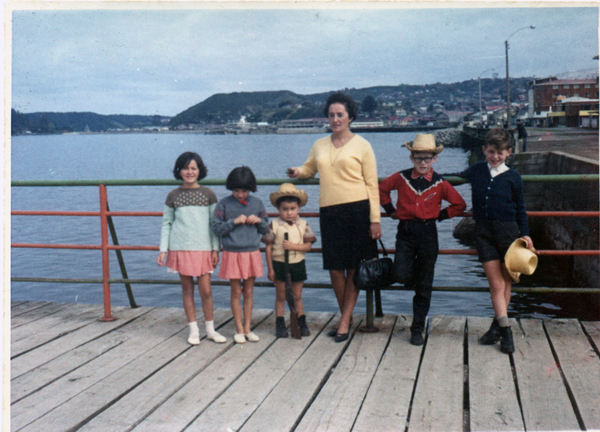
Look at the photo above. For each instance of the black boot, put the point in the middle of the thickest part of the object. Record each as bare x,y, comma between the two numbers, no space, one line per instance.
492,336
280,330
304,331
507,345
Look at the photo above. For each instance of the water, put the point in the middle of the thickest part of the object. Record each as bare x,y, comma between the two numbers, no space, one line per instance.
152,156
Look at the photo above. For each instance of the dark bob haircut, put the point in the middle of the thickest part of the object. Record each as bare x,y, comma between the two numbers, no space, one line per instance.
344,99
499,138
184,160
287,199
241,178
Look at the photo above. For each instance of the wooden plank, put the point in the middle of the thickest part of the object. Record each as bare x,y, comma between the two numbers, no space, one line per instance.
18,308
386,405
57,319
186,404
85,405
148,396
251,389
339,401
580,365
544,400
438,400
593,330
74,339
493,402
282,408
45,309
65,325
160,325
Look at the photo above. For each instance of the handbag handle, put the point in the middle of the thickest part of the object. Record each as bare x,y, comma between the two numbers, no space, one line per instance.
383,247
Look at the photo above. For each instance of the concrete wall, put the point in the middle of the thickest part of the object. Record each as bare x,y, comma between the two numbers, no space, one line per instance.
563,233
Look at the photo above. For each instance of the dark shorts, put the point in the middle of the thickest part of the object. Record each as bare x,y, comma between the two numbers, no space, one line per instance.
346,236
297,271
493,238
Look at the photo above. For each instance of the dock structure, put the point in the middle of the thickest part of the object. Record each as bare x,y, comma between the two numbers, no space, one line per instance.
70,371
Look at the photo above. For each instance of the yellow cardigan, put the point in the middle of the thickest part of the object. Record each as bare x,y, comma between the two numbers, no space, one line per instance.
347,174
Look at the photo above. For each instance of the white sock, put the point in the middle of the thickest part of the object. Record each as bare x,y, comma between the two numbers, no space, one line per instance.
212,334
194,338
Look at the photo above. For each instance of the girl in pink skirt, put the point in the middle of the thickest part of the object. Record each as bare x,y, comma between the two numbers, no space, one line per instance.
193,249
240,221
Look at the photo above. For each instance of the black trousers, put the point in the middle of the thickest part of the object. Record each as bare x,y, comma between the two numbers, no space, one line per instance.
414,264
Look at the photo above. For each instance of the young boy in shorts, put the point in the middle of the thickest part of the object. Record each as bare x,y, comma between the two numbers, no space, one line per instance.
500,218
420,195
288,200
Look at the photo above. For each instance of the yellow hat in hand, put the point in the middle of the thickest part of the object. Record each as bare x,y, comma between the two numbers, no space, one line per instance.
520,260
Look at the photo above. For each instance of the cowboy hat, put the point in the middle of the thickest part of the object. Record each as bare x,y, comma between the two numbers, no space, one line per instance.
424,143
288,189
520,260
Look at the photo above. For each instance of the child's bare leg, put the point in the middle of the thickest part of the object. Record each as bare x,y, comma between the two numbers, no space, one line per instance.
206,296
279,298
297,291
507,285
248,303
187,292
236,304
497,283
350,297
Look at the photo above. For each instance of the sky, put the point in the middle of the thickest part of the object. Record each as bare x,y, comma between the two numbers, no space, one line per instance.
163,61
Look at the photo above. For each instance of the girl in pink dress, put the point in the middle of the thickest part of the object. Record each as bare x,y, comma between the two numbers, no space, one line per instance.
240,221
193,249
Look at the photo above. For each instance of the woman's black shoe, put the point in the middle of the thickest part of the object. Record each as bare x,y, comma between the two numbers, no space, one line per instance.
416,338
304,331
492,336
507,345
332,332
341,337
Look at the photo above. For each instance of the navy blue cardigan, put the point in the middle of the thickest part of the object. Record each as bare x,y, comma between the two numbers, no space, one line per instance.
499,198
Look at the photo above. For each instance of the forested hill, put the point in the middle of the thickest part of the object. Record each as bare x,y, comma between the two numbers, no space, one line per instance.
273,106
53,122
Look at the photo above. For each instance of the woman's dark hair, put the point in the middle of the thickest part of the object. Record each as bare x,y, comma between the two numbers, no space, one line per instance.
241,178
184,160
499,138
344,99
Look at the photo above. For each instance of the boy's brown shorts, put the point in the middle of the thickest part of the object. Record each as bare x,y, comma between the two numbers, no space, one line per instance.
297,271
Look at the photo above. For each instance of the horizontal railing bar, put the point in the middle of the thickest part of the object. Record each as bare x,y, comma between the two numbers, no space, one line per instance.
523,290
313,250
272,215
274,182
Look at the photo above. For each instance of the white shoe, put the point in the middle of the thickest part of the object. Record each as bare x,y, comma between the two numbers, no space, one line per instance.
252,337
239,338
217,338
194,340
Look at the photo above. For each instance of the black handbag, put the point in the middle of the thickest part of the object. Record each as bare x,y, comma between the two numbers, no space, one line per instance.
375,273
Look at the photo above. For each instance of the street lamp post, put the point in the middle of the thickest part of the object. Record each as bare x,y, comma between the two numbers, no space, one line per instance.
479,78
507,79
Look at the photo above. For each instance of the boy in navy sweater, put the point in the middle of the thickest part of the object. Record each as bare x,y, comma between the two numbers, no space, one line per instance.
500,218
420,195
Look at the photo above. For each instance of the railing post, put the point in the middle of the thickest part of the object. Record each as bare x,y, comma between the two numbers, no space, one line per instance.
105,258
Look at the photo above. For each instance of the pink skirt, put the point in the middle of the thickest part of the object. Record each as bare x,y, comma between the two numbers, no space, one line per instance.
241,265
190,263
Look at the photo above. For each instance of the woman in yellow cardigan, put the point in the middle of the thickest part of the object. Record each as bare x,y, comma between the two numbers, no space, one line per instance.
349,202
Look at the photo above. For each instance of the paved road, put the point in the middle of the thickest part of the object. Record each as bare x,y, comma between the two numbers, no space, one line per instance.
576,141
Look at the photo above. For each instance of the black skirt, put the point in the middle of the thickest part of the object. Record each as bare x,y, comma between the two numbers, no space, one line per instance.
346,236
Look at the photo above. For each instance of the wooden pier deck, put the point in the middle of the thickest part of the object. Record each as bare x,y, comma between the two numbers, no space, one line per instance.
69,371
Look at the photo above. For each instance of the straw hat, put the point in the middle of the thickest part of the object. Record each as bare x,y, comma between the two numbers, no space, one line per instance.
424,143
288,189
519,259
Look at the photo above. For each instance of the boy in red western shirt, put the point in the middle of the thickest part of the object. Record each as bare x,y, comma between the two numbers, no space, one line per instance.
420,195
